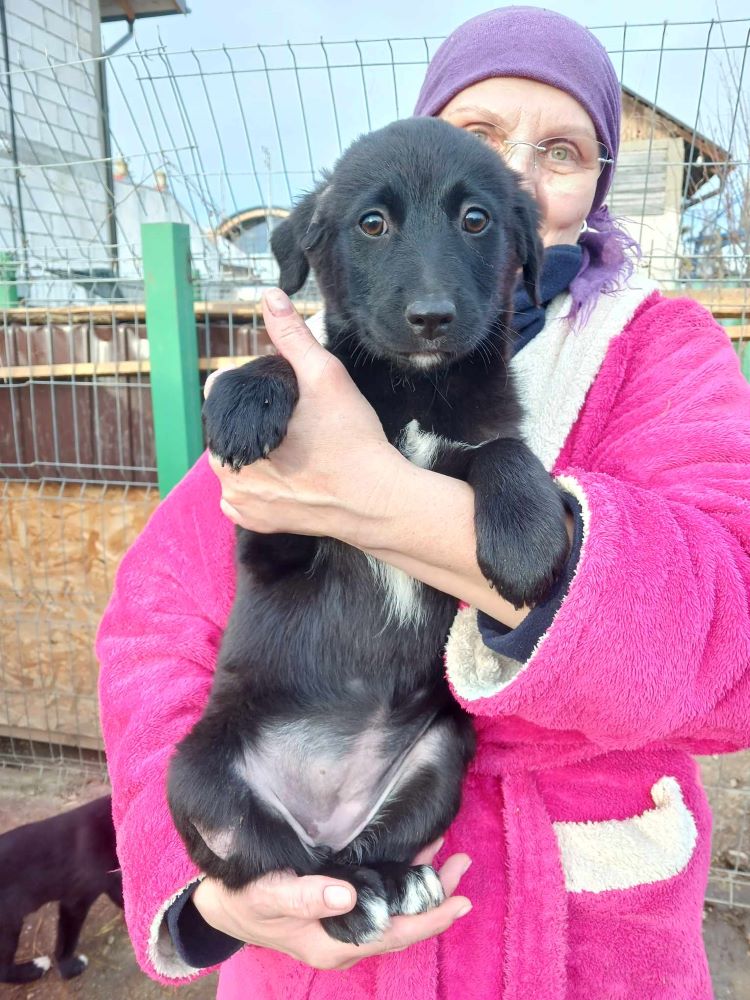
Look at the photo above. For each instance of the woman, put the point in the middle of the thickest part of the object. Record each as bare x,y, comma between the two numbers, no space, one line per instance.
583,812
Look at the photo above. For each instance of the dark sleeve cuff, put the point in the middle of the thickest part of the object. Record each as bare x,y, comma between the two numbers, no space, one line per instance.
519,643
197,943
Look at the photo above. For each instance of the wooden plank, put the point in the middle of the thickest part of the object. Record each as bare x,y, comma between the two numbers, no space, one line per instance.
99,369
723,302
63,739
129,312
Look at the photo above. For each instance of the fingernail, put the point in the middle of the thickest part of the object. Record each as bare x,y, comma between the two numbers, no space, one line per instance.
464,910
466,867
337,897
278,302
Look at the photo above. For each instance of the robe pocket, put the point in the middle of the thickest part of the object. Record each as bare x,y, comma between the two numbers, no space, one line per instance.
625,853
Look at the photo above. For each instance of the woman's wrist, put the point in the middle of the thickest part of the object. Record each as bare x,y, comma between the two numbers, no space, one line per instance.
208,900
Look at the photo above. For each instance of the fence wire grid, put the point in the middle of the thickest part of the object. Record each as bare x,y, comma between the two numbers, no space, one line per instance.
94,144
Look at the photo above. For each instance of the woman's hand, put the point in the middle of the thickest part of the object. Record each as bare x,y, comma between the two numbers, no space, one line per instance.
283,912
334,469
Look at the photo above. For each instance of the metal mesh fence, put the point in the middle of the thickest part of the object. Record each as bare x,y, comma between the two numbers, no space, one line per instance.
223,140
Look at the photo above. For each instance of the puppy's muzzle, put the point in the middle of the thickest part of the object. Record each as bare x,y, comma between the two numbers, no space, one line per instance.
431,318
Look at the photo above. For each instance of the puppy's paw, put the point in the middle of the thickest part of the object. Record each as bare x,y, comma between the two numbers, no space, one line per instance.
413,889
522,557
73,966
369,918
248,410
522,538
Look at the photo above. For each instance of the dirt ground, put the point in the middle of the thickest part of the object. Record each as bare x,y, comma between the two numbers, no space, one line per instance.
27,795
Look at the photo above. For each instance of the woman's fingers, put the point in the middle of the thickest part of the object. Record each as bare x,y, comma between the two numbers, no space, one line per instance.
427,855
453,871
290,335
310,897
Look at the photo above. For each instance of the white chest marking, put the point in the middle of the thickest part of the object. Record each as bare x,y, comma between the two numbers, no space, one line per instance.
403,594
419,446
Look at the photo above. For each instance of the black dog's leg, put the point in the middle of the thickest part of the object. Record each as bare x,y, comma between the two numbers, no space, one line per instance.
72,915
17,972
378,861
248,410
522,541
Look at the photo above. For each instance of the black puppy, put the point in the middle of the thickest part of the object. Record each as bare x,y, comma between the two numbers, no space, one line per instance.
331,742
70,858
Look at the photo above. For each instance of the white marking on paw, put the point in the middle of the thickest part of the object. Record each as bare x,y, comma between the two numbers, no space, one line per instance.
403,594
43,963
422,891
82,958
376,911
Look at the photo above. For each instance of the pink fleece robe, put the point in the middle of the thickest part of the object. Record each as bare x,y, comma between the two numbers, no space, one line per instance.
583,810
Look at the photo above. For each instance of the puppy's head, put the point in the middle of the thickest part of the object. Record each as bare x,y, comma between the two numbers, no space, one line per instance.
416,239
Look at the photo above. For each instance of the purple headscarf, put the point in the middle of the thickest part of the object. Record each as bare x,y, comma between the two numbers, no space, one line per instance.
541,45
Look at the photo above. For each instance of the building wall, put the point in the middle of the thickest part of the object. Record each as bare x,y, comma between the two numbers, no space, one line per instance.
647,195
59,137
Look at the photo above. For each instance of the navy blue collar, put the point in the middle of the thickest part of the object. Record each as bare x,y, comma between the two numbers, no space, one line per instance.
560,265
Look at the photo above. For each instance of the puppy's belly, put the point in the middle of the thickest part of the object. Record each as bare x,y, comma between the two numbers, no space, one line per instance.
329,787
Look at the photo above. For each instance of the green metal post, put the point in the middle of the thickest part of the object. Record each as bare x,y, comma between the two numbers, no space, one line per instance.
173,349
8,287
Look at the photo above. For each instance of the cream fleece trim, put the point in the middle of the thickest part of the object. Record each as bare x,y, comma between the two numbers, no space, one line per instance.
554,373
161,949
556,369
624,853
476,671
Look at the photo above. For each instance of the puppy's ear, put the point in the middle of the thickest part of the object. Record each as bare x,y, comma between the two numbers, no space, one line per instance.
528,243
293,238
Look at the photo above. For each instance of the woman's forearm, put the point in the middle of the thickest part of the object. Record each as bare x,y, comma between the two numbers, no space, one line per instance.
425,527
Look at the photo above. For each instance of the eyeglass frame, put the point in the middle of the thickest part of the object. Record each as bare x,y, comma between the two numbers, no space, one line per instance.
539,148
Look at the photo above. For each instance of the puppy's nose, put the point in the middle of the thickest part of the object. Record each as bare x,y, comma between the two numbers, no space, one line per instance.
430,318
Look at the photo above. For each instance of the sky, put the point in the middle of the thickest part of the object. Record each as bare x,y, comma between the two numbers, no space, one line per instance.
216,22
241,126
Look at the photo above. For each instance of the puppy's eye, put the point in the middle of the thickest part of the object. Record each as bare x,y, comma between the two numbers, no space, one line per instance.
475,220
373,224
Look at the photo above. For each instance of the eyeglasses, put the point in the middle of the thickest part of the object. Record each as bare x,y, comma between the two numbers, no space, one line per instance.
571,154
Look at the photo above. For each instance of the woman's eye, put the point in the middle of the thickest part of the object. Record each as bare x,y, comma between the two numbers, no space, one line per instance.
482,136
475,220
560,153
373,224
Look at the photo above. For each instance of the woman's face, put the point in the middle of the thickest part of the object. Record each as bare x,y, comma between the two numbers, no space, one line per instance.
513,109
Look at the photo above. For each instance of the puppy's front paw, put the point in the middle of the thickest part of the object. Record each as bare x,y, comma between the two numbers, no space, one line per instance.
522,538
523,563
248,409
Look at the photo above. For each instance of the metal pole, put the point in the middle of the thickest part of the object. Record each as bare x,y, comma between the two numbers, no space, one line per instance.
8,287
173,349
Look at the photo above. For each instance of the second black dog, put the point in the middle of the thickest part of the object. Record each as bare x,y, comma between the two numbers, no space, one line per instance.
69,858
331,742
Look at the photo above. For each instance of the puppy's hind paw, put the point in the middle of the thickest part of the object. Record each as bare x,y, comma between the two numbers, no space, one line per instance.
248,410
417,891
369,918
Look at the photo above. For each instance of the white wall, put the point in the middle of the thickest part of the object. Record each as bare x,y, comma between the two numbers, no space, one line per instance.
58,129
